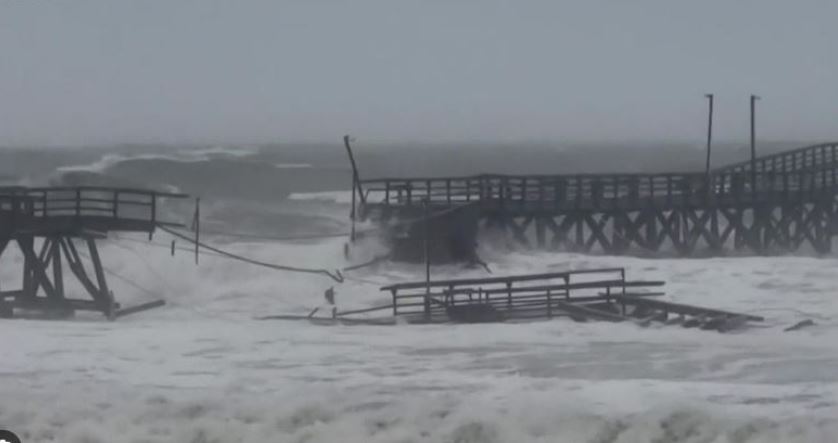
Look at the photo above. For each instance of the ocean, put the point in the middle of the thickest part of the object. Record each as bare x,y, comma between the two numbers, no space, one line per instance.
204,369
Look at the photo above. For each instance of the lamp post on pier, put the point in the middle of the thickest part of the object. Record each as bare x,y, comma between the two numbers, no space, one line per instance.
709,137
754,99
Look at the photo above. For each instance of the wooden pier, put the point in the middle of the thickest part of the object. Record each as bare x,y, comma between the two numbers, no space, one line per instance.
583,295
778,203
48,223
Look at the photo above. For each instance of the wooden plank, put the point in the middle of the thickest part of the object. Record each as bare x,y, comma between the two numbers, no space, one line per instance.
680,308
586,312
138,308
498,280
57,275
11,294
323,321
539,288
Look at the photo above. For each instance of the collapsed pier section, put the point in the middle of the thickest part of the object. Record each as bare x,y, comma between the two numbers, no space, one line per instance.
55,227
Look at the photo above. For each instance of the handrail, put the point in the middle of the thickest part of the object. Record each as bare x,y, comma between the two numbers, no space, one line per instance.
95,202
617,283
495,280
745,165
598,190
139,191
490,176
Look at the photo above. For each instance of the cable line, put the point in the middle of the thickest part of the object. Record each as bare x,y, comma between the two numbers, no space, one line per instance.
336,275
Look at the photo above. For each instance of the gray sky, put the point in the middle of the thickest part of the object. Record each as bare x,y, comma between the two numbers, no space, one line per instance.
103,71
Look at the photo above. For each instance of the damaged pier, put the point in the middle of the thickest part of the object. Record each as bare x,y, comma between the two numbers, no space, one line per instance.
777,203
584,295
47,224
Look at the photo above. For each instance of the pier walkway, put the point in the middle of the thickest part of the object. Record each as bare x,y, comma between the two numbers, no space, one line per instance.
47,223
779,203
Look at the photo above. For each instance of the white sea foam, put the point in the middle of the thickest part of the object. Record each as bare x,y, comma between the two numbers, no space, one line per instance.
292,165
184,156
202,370
230,151
329,196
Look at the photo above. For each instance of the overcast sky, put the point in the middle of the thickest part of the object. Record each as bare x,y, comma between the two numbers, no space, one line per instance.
105,71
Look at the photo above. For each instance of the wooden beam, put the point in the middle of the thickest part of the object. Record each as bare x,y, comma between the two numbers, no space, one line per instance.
77,266
57,275
104,295
37,269
139,308
680,308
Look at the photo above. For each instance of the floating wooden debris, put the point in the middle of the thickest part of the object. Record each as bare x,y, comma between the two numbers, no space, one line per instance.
800,325
586,295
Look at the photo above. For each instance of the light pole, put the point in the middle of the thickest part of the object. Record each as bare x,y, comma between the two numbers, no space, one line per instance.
754,99
709,134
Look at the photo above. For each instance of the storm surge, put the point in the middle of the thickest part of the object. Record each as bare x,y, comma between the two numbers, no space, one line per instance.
203,369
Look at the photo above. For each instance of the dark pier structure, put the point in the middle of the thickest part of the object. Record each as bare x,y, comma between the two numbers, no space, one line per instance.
57,226
772,204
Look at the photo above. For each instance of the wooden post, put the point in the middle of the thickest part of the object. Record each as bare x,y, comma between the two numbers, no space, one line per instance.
352,212
567,287
428,190
197,224
57,277
356,185
78,202
356,177
427,245
623,293
153,213
754,99
707,180
104,294
549,305
27,244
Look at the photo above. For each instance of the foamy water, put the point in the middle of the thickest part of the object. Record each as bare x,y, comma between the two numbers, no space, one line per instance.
202,369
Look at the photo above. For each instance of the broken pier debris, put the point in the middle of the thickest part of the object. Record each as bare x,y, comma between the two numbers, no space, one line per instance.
47,224
583,295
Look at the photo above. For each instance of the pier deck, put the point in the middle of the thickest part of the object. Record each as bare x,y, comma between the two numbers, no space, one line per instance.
582,295
47,223
777,203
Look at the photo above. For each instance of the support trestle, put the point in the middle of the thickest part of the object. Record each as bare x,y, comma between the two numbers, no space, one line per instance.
764,229
43,279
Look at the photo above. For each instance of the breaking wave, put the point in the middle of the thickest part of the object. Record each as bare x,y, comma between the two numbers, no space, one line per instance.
326,416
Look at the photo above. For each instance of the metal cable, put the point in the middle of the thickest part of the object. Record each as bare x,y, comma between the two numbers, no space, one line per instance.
336,275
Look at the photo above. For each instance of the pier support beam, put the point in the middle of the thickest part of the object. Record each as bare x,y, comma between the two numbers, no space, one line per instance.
43,278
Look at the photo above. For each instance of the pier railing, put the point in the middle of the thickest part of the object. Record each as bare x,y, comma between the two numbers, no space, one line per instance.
522,295
80,204
807,158
598,191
